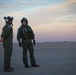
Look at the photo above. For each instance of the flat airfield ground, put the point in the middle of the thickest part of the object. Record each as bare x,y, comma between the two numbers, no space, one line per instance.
53,58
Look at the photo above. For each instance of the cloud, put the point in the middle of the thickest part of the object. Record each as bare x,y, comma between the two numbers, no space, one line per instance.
68,4
22,4
67,8
56,19
45,15
41,15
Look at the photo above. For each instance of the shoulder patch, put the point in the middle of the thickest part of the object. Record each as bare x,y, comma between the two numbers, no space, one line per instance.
9,26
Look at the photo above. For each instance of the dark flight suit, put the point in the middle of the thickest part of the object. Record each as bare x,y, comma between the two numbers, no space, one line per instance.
25,33
7,34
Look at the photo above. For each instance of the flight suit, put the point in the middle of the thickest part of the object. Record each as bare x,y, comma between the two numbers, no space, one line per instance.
25,34
7,34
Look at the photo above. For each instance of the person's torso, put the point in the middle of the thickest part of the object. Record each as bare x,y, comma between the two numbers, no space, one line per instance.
27,32
10,33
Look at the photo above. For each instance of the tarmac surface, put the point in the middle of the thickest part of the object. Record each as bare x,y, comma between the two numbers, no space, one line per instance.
53,58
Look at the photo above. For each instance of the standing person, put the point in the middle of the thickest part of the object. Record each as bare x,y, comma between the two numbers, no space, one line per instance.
7,39
25,36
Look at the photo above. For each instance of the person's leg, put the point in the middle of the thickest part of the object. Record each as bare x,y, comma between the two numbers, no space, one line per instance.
31,51
32,58
7,56
10,54
25,59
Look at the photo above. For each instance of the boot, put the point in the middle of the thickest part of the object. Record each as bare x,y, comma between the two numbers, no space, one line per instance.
8,70
11,68
27,66
34,65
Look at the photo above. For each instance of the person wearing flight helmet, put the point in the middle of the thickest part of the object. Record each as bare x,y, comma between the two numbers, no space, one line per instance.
7,39
26,39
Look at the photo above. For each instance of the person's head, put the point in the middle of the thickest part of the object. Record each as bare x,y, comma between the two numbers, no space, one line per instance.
24,21
8,19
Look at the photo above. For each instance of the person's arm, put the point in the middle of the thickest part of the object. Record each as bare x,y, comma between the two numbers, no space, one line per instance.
34,42
19,37
6,32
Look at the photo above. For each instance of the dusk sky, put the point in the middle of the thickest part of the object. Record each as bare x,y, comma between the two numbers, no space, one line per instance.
51,20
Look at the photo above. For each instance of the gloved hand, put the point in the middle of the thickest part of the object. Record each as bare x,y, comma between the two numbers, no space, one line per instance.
34,42
20,44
